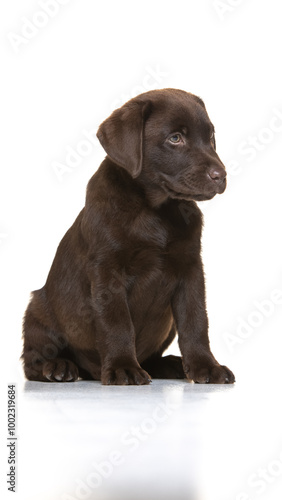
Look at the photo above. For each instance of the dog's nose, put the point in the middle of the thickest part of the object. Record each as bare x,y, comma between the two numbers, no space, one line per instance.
217,174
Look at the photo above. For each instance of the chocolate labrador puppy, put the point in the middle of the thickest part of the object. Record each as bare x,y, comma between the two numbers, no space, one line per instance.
127,276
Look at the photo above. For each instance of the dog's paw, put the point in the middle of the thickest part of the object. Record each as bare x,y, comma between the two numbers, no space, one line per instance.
60,370
126,376
214,374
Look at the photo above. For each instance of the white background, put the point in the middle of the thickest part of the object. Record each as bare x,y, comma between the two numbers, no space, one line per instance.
89,58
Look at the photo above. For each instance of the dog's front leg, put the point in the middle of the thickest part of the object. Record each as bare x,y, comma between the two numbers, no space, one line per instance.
189,310
115,335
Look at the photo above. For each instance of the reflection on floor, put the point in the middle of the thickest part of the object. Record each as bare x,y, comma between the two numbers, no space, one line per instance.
172,440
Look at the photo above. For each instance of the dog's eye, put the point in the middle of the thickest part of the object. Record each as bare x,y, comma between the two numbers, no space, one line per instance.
175,138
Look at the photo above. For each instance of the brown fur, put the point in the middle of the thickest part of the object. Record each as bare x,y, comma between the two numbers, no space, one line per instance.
127,276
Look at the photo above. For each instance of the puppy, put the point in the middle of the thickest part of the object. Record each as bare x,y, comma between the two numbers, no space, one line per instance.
127,276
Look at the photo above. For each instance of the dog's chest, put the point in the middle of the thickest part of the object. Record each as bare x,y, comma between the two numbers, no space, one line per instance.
161,246
148,229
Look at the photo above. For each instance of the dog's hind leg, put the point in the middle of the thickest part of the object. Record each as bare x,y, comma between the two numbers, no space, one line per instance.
166,367
45,353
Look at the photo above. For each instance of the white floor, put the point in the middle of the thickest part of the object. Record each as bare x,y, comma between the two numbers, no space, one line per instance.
171,440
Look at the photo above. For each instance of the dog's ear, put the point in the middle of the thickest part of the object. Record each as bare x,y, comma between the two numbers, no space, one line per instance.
121,135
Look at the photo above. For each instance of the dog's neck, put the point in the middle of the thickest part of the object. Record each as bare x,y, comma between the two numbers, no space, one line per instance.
154,193
156,196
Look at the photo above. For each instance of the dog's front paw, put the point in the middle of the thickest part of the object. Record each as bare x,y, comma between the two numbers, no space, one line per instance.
125,376
211,374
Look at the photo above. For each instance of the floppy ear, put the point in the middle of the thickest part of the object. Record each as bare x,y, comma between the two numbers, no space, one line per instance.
121,135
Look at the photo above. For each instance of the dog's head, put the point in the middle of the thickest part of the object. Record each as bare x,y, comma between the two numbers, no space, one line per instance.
166,140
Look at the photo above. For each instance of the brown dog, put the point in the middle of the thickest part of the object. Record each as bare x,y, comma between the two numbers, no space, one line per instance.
127,276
